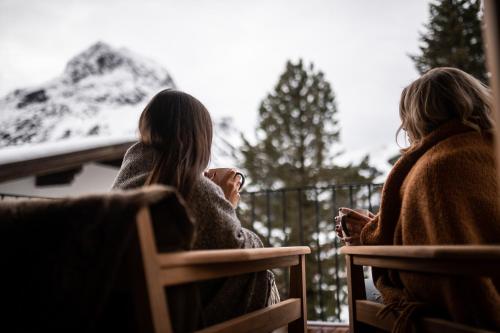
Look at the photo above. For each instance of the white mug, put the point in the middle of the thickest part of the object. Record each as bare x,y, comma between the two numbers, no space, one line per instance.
217,175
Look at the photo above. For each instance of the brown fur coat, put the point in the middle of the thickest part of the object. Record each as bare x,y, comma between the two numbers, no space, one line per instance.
443,191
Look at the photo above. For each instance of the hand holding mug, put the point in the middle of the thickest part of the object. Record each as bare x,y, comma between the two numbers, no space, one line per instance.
230,180
349,222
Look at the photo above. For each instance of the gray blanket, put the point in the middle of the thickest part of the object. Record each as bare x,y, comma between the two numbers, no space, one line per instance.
216,227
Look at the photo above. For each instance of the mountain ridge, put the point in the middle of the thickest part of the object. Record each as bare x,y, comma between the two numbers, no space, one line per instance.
81,101
100,93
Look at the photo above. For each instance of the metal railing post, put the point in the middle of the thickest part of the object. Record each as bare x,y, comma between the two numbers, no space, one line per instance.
301,226
285,236
318,257
252,203
268,215
336,244
370,207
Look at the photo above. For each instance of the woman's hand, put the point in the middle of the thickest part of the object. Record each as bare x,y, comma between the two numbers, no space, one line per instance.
230,185
355,221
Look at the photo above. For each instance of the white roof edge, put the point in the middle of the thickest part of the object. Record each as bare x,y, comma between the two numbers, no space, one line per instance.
27,152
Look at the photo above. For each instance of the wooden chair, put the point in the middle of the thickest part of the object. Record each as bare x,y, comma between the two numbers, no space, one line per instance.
170,269
449,260
453,260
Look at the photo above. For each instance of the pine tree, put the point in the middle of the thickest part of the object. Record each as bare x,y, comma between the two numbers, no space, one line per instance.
297,131
453,38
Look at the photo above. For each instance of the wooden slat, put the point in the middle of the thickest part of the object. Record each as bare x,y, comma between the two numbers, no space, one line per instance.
367,313
226,256
200,272
356,290
264,320
157,300
298,290
61,162
477,267
427,251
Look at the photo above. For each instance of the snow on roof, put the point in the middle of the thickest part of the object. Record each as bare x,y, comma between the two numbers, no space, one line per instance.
27,152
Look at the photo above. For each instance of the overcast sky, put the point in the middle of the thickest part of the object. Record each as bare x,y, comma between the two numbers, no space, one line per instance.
230,53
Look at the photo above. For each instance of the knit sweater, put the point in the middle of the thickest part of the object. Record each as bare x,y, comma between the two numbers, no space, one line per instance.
442,191
216,227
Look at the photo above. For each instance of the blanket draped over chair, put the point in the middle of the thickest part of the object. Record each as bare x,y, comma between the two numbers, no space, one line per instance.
63,260
443,191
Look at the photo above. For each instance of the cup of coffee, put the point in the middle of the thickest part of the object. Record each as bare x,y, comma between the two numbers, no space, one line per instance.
343,223
218,174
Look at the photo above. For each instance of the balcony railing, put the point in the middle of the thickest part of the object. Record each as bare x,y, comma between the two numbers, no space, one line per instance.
304,216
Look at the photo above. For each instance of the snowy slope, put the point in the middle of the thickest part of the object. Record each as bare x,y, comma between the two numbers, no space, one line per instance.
101,93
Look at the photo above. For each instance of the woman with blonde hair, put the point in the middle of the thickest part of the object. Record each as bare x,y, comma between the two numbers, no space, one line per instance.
443,190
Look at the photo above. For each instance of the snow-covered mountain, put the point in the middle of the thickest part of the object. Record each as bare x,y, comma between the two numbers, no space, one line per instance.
101,93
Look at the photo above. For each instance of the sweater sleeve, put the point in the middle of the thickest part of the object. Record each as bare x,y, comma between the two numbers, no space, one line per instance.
217,225
135,168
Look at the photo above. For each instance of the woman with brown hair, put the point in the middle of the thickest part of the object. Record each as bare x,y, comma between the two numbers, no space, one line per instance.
443,190
174,149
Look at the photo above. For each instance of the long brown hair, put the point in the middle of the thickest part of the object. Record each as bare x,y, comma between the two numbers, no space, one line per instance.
179,128
440,95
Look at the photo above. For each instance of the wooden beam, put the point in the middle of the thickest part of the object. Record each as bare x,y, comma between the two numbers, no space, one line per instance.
156,295
476,267
492,45
58,178
221,256
264,320
298,290
355,291
61,162
366,312
180,275
426,251
115,163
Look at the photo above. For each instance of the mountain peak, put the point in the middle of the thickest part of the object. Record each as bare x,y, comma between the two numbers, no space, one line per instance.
101,92
100,45
100,58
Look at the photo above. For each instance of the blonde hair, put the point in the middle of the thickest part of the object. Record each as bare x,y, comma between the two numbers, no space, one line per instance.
440,95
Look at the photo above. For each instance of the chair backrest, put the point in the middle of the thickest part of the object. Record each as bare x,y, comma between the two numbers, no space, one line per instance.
170,269
453,260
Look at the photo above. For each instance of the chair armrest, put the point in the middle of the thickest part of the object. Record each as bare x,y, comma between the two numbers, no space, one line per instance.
202,257
479,260
426,251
